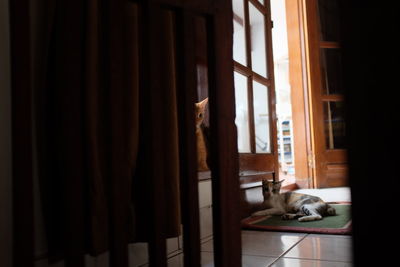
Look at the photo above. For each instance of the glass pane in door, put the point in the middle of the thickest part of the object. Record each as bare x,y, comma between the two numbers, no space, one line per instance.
329,20
258,45
242,113
335,127
261,118
331,68
239,40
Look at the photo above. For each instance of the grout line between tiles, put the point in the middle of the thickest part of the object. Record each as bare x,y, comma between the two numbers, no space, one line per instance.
323,260
285,252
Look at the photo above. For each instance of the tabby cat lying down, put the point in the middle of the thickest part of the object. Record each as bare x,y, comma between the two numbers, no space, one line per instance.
292,205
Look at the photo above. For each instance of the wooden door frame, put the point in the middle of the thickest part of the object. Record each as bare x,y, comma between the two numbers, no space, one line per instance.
299,77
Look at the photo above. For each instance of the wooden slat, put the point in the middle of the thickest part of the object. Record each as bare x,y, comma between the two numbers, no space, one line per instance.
152,97
118,173
68,80
238,19
260,79
263,9
242,69
250,108
247,33
187,151
335,156
224,162
325,44
332,98
246,71
297,76
271,89
22,183
259,162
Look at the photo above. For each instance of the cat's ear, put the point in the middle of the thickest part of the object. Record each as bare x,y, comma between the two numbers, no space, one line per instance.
203,104
276,186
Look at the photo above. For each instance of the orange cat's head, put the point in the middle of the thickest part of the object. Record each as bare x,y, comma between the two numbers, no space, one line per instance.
200,111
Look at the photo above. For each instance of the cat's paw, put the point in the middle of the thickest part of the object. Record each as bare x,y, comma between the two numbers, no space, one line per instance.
310,218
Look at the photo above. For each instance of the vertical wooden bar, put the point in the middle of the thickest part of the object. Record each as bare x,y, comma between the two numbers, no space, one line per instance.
68,79
6,212
271,89
22,184
224,154
152,96
187,144
250,106
119,175
298,80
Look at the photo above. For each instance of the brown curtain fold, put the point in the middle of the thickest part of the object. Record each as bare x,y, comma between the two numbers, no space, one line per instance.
90,129
167,117
95,133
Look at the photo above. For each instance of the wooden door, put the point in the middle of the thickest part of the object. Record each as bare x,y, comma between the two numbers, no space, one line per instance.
254,90
329,158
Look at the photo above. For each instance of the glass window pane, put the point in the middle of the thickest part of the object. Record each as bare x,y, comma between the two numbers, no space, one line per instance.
258,46
329,20
335,128
242,113
239,40
331,67
261,118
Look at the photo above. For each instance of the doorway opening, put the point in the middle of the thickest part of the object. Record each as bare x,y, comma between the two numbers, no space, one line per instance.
289,92
284,122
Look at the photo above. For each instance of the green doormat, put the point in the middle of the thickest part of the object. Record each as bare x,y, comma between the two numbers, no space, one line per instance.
338,224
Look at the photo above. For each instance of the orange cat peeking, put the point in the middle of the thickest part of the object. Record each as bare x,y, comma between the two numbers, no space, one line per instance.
201,142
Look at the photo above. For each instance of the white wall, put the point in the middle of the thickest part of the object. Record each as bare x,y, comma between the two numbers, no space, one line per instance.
5,139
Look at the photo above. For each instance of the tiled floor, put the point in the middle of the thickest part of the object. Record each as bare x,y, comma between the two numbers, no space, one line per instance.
278,249
261,249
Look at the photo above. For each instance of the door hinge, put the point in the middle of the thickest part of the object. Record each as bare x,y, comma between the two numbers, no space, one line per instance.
311,161
272,23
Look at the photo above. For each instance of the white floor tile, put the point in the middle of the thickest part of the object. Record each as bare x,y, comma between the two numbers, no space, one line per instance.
270,244
259,243
320,247
207,260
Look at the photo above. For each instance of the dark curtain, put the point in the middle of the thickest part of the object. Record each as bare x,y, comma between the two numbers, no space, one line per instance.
89,125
